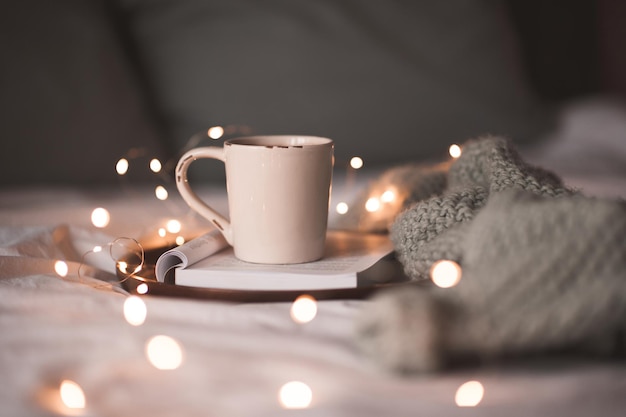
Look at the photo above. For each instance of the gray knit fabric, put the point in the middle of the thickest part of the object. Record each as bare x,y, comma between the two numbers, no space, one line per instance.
544,268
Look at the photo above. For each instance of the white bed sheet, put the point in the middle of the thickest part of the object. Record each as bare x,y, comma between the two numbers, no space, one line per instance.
236,357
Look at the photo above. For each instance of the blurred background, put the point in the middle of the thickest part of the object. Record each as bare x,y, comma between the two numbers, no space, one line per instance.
87,82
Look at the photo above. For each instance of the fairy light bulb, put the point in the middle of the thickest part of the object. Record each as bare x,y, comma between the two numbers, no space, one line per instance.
155,165
161,232
455,150
180,240
61,268
342,208
72,395
469,394
215,132
161,193
388,196
304,309
445,273
135,310
122,166
173,226
295,395
142,288
100,217
372,204
356,162
164,353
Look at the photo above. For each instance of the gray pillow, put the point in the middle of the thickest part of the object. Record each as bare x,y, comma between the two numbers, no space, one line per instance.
390,81
71,104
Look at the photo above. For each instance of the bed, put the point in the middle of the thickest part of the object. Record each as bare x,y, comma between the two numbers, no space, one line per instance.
67,326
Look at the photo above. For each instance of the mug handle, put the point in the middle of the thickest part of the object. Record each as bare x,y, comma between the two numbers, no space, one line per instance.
192,198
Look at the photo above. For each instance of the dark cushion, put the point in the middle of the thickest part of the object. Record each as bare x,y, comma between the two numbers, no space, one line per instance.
71,104
389,80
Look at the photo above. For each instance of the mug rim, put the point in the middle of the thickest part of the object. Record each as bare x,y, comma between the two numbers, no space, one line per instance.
279,141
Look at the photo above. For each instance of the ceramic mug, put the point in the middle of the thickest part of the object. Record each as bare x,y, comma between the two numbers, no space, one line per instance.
278,191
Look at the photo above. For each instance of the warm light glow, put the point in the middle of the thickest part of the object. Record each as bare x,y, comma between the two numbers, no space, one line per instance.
304,309
142,288
173,226
180,240
97,249
161,193
162,232
72,395
372,204
164,353
342,208
155,165
455,150
100,217
216,132
388,196
122,166
445,274
123,267
470,394
294,395
61,268
356,162
135,310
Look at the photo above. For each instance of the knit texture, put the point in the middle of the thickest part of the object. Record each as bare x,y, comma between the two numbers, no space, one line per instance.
543,268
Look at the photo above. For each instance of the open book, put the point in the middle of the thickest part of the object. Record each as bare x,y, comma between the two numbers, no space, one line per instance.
350,258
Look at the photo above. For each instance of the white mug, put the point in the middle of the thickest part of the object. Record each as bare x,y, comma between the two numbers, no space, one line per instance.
278,196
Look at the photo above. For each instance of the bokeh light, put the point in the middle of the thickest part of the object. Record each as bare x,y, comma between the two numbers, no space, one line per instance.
215,132
100,217
356,162
445,273
161,193
142,288
304,309
295,395
122,166
61,268
342,208
72,395
155,165
135,310
469,394
455,151
164,353
173,226
372,204
180,240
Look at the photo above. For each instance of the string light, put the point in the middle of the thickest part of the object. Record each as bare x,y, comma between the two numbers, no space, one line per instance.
142,288
100,217
135,310
455,150
61,268
388,196
356,162
162,232
173,226
161,193
342,208
304,309
295,395
122,166
372,204
215,132
155,165
97,249
164,353
469,394
445,273
180,240
72,395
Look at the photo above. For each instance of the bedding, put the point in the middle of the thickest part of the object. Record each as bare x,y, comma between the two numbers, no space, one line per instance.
63,326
